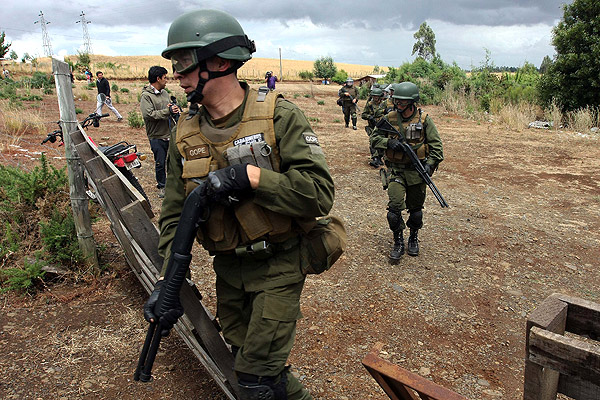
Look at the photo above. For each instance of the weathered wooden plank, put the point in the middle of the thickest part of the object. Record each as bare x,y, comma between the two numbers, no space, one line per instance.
403,379
576,388
143,231
567,355
583,317
128,187
542,383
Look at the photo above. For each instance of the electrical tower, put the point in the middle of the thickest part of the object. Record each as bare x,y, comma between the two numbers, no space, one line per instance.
45,37
86,36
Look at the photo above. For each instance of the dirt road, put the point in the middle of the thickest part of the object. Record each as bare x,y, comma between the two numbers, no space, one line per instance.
523,222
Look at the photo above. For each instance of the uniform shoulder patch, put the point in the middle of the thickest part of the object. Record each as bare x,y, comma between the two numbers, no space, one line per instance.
311,138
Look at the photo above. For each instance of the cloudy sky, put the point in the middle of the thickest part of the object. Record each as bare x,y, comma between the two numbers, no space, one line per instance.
351,31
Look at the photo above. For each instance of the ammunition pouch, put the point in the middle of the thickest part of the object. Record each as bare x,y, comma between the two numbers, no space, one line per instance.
323,245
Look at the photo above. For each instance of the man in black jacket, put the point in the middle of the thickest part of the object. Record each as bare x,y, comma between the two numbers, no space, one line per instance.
104,87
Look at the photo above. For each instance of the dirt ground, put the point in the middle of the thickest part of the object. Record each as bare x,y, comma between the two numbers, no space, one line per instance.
523,223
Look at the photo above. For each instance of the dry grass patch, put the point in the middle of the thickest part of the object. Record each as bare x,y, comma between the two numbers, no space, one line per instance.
136,67
517,117
17,122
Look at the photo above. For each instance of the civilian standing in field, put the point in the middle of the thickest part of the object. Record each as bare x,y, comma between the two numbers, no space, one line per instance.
158,113
104,87
271,79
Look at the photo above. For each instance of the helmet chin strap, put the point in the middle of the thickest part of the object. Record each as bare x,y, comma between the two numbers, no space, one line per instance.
196,96
404,109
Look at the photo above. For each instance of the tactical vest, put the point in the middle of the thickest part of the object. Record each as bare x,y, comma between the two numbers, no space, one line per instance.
414,137
246,222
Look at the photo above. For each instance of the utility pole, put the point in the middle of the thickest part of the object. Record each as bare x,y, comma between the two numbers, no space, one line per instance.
45,37
86,36
79,199
280,70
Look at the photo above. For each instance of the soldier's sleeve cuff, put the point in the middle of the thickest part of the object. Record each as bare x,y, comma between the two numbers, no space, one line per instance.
267,186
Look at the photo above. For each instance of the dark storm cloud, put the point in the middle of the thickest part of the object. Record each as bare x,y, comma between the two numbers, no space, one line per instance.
370,15
408,14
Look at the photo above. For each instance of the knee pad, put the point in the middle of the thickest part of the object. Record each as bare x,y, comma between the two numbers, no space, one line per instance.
415,219
394,220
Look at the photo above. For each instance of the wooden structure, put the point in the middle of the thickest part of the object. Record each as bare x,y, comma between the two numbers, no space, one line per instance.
401,384
368,80
79,200
129,214
557,363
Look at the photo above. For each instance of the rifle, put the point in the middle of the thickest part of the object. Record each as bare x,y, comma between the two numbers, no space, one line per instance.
195,211
385,126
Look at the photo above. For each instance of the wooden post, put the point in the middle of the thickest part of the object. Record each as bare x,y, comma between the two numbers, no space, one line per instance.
280,67
79,199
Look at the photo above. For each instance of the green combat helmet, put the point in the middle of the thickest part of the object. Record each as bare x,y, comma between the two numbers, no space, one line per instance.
376,92
198,35
406,91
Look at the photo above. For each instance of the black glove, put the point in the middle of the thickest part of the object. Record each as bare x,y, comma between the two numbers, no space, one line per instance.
394,144
168,319
228,181
151,302
429,169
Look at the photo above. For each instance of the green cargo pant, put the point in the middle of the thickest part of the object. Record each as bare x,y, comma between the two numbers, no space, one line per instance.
406,191
258,303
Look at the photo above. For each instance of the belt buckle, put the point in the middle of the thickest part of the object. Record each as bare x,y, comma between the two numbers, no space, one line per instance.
259,250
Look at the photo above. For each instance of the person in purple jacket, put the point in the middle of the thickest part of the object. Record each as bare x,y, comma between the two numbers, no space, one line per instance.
271,79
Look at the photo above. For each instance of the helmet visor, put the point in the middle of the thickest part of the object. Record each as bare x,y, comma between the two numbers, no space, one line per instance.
184,61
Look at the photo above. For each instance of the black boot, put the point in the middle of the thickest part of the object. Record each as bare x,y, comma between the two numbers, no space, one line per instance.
413,243
398,248
354,123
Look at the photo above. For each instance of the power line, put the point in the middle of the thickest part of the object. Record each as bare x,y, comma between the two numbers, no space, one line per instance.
86,36
45,37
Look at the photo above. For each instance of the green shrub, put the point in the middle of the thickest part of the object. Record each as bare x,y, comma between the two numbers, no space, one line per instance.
78,110
22,279
321,102
117,99
296,95
59,239
363,92
307,95
26,198
134,119
91,85
124,90
306,75
114,87
48,91
340,77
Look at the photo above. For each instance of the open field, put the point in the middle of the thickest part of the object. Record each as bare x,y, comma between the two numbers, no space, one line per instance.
523,222
131,67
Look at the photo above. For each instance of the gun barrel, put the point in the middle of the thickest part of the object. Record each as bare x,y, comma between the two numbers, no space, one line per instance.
194,212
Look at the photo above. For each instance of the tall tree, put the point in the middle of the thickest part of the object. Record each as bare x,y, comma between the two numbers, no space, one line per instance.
13,55
325,68
3,46
546,63
573,79
425,45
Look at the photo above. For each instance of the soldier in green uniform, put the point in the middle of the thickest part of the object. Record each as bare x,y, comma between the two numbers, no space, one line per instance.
372,113
406,189
349,97
269,179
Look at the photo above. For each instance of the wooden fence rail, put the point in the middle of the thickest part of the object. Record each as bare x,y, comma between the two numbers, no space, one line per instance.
129,214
